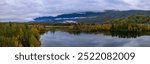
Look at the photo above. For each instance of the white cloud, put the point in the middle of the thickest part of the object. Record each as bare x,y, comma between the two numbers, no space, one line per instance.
25,10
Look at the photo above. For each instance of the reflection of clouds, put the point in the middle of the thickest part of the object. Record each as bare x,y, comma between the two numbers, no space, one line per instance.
64,39
142,41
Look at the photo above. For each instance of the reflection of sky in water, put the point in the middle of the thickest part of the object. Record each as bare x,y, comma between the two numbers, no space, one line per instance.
64,39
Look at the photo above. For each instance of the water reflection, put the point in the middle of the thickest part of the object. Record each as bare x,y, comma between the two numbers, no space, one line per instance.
123,34
96,39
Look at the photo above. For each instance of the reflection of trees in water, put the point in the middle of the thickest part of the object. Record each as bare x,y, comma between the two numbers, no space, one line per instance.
119,34
125,34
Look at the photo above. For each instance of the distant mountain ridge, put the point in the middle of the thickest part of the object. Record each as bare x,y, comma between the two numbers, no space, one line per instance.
92,17
67,17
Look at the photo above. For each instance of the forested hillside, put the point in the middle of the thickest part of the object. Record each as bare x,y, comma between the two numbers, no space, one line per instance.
111,14
131,19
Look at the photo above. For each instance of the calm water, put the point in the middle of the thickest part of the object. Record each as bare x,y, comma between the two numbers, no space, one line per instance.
65,39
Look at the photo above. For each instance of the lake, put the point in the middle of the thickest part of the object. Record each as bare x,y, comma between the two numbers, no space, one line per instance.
66,39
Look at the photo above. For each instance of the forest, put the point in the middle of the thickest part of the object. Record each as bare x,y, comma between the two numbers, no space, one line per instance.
131,24
19,35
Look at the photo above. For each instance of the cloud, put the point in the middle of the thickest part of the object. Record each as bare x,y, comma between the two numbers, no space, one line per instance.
26,10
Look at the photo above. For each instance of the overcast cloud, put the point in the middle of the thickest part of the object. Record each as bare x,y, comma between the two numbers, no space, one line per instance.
26,10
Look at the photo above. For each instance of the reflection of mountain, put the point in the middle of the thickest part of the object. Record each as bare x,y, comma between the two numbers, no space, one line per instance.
98,17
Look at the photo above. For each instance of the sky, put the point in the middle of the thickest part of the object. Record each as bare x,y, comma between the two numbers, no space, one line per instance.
26,10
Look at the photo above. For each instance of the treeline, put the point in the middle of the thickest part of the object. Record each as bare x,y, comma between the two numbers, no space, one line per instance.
109,27
90,27
18,35
130,27
130,19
